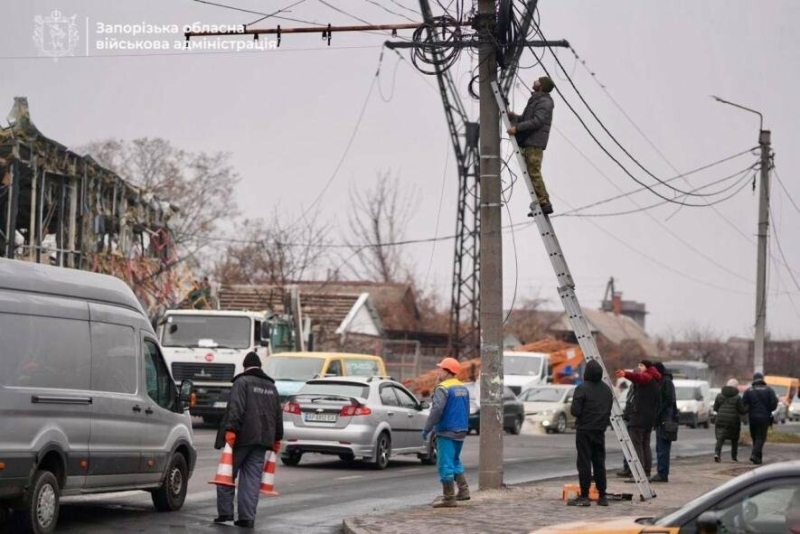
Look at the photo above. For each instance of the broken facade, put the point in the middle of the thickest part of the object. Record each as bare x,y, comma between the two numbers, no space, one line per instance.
64,209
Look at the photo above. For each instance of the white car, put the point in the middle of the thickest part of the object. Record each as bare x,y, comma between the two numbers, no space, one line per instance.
694,402
794,410
781,413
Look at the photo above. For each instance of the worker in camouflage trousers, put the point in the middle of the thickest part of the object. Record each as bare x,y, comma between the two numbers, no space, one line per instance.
449,419
532,131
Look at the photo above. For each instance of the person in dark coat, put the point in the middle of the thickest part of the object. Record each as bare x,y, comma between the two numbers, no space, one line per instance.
642,409
532,131
760,401
668,412
591,406
253,423
730,408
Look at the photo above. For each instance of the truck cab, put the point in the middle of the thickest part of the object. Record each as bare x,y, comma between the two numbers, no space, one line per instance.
208,347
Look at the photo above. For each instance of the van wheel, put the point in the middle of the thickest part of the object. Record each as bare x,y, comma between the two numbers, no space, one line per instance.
517,428
171,495
42,504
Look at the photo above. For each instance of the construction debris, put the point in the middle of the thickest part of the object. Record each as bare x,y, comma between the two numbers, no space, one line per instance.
561,354
60,208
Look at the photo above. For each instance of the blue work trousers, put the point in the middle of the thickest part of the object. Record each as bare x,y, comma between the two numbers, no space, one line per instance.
449,458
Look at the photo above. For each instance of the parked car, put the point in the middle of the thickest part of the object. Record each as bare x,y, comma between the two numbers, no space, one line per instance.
781,413
713,414
369,418
794,410
291,370
764,500
694,402
87,403
513,410
549,406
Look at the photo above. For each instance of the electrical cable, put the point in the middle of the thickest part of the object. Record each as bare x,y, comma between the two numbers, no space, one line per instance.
395,13
347,146
780,182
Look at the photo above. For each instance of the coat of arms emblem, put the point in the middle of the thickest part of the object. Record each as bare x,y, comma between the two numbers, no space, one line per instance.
56,36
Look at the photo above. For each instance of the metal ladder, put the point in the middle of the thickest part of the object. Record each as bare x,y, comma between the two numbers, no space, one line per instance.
566,290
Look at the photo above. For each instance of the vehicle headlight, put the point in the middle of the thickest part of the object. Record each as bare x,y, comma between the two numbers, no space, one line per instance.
687,408
548,412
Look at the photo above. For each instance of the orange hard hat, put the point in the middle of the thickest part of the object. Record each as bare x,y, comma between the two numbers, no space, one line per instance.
450,364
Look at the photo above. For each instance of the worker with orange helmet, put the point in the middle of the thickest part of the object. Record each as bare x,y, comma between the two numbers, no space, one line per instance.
449,418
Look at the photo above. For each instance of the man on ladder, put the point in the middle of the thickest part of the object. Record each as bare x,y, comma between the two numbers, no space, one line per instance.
532,130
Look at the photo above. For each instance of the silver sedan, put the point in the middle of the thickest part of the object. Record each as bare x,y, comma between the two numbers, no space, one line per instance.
356,418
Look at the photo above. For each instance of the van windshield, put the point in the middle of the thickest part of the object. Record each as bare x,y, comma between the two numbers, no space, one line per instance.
288,368
522,365
685,392
209,331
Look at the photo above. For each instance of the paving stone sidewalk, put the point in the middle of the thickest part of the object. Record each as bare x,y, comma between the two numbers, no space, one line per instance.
525,507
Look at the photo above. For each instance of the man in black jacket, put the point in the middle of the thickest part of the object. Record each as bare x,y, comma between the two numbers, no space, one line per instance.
532,131
252,424
668,412
760,401
591,405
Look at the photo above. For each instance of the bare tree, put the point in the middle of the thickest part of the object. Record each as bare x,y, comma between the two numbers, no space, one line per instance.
378,219
200,184
527,321
273,252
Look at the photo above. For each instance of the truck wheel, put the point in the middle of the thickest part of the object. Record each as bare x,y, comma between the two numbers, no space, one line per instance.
172,493
42,502
693,424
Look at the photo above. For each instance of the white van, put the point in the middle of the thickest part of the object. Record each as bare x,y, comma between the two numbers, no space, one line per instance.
524,369
694,402
87,404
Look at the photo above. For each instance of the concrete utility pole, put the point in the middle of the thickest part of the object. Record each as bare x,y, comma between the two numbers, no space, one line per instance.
761,266
764,141
491,258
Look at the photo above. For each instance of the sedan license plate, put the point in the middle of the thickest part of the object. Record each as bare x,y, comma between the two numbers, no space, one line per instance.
320,417
221,404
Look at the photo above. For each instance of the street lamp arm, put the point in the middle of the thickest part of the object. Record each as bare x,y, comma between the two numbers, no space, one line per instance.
760,116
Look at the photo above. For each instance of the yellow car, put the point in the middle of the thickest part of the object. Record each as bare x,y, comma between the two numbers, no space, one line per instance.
763,501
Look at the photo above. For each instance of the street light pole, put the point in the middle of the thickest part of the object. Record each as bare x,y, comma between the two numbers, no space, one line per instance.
764,141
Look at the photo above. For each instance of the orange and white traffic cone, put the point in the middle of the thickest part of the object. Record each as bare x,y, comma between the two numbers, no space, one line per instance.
224,475
268,477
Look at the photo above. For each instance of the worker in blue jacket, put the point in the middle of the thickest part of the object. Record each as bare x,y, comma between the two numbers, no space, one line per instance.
449,418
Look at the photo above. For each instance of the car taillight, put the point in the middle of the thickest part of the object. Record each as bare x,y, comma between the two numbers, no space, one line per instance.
291,407
349,411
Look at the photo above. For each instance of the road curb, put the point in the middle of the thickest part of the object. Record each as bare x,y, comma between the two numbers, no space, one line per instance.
350,524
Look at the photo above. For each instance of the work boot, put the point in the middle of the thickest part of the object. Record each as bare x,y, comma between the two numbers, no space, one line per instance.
223,518
448,498
602,501
463,488
625,473
579,501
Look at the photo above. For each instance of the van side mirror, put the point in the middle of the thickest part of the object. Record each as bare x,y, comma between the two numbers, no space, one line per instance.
698,397
185,393
709,522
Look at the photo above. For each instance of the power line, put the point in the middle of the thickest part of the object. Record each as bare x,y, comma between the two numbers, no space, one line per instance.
602,124
780,182
395,13
347,147
265,15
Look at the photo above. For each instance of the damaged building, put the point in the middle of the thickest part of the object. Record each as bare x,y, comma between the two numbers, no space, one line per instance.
64,209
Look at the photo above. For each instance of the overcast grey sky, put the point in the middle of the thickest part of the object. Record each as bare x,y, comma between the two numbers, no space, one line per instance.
286,117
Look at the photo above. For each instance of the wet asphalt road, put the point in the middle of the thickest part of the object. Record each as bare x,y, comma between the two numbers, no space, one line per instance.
319,493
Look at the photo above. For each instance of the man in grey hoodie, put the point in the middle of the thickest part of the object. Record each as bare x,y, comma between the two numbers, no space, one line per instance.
532,131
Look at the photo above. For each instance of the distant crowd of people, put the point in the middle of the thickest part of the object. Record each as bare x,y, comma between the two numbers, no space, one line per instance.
651,405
